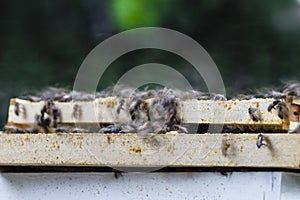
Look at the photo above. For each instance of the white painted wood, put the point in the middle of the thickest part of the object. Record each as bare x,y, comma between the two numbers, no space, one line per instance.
227,112
103,110
296,100
290,186
164,186
132,150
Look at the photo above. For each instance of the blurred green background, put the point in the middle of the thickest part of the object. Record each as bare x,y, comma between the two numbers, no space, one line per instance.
254,43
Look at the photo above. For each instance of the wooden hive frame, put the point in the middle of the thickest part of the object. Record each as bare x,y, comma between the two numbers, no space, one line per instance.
171,149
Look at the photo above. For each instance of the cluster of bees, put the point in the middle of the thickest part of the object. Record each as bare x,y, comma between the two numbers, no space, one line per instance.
157,116
152,111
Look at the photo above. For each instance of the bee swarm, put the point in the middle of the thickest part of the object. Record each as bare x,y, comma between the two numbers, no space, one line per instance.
140,129
160,111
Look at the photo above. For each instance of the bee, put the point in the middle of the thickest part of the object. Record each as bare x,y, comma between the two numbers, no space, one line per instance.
56,114
260,141
272,105
282,109
12,129
49,116
255,114
137,107
292,88
19,109
110,129
117,174
47,108
219,97
64,129
43,121
120,106
77,111
180,129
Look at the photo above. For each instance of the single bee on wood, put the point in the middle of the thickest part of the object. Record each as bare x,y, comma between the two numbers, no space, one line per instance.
56,114
255,114
19,109
117,174
77,111
49,115
110,129
272,105
180,129
137,108
260,141
120,106
43,121
282,109
219,97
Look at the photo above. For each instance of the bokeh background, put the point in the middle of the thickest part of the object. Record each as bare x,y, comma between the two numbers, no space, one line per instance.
254,43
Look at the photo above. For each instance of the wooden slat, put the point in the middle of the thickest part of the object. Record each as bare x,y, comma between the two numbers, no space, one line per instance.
103,110
227,112
130,150
296,100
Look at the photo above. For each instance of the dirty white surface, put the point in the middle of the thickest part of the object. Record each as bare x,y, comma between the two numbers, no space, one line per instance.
103,110
81,186
290,189
131,150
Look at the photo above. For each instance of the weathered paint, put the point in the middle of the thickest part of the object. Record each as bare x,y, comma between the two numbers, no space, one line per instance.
103,110
82,186
131,150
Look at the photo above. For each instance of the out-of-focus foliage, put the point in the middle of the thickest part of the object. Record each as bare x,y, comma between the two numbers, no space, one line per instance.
131,13
254,43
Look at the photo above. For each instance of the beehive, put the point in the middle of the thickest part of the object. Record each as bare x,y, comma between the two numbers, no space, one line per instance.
156,150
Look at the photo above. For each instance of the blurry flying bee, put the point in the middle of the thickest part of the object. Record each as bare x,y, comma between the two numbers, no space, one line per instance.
260,140
255,114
